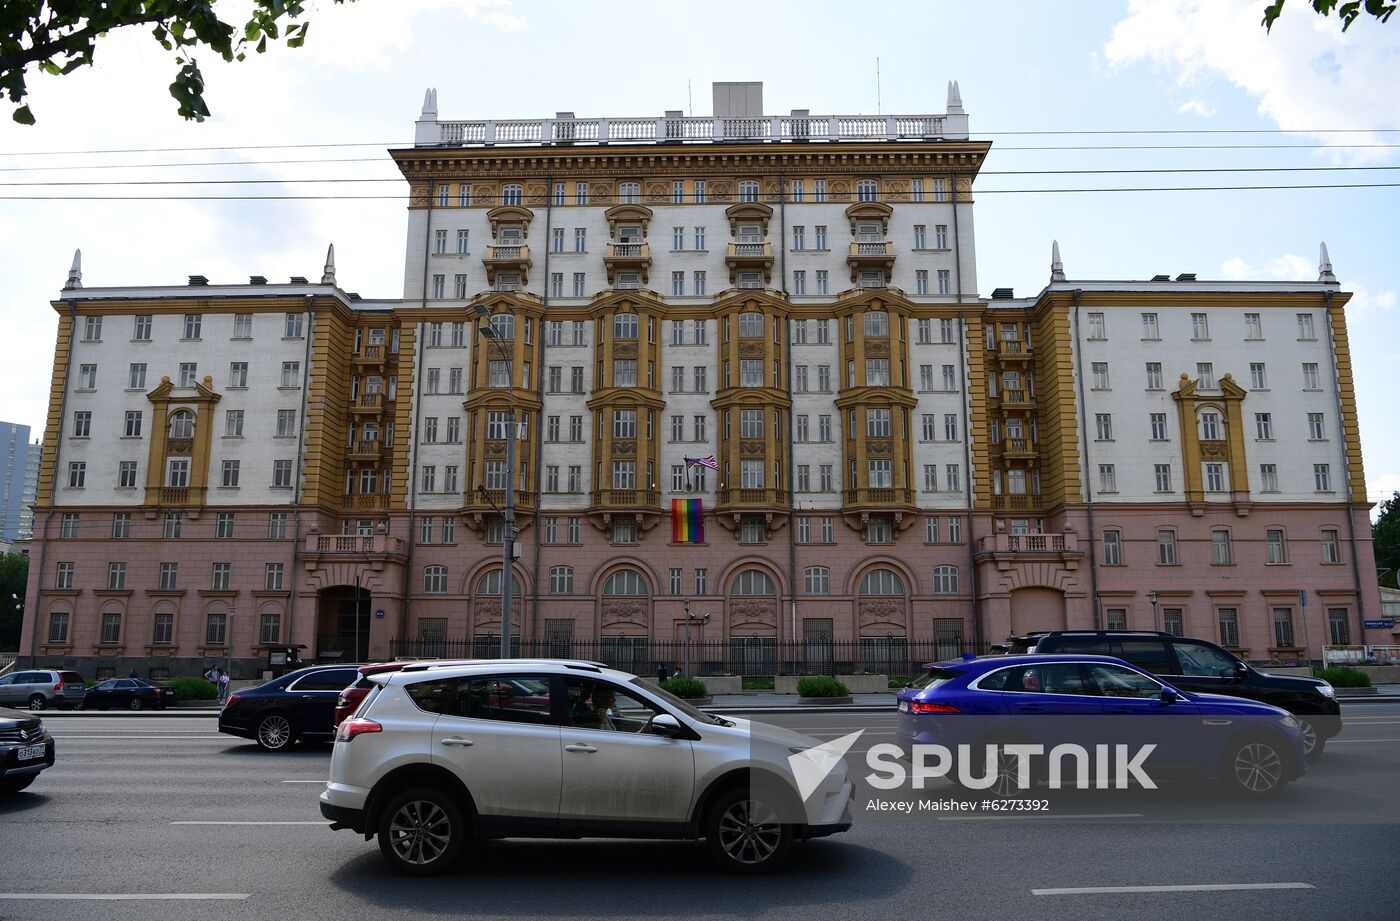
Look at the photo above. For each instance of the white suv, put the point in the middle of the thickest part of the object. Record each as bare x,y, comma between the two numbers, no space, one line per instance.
560,749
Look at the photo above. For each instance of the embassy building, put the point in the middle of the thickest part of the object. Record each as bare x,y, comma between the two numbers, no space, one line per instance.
897,469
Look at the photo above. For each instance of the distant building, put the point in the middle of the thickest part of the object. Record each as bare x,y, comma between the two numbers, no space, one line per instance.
31,489
16,490
901,469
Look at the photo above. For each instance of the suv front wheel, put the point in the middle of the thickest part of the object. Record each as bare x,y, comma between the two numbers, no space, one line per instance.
421,832
744,835
1255,767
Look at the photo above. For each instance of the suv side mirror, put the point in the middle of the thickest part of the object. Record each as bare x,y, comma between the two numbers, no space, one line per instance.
664,724
1241,671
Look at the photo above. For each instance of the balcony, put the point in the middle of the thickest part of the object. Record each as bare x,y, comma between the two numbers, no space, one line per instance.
870,256
507,257
367,502
627,257
351,543
627,500
880,495
1014,350
749,256
366,450
1017,503
1018,449
496,498
174,495
368,404
1017,399
740,499
1029,543
369,355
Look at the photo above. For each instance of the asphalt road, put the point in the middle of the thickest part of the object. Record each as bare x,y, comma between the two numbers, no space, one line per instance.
121,813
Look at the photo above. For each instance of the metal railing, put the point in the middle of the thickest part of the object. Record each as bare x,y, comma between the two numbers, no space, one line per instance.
686,129
749,657
1027,543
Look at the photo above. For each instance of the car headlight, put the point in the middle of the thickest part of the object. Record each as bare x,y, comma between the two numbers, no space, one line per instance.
1326,690
1290,722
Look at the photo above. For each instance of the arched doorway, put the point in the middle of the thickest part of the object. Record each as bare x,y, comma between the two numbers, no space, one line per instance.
343,615
1037,609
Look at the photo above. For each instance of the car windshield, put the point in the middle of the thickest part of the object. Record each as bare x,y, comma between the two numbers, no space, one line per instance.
700,716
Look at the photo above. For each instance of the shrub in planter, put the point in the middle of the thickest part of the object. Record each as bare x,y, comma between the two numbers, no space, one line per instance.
1342,676
758,684
193,688
686,688
821,686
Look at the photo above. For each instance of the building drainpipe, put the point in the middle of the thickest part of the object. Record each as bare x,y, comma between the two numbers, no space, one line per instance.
787,357
1346,478
34,606
977,632
301,473
539,434
1088,483
418,376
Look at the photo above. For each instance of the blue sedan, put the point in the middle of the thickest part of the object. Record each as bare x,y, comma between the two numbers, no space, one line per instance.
1062,713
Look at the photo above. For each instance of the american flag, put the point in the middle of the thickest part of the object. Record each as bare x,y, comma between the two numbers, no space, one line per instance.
707,461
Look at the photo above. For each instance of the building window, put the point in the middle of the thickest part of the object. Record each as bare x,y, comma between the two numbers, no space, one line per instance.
1276,546
1163,476
1338,627
229,474
816,580
116,576
879,530
1100,372
881,582
1215,477
435,580
1150,330
1305,327
945,580
867,190
193,324
1112,548
1322,477
1116,618
1210,426
1166,547
277,526
1310,379
1331,546
1268,478
1316,427
1257,380
111,627
748,190
1283,627
1229,626
1096,326
220,580
1103,426
282,474
169,577
141,331
1264,426
561,580
1108,479
944,281
751,529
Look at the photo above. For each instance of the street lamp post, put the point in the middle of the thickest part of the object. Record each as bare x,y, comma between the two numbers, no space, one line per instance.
228,644
1152,597
507,513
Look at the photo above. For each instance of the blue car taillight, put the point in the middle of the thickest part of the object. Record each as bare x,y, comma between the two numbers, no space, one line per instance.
923,706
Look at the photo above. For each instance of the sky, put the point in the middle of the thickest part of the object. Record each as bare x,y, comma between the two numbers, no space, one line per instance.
1305,105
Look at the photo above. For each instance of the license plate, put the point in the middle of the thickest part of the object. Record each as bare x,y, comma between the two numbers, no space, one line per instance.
32,753
904,706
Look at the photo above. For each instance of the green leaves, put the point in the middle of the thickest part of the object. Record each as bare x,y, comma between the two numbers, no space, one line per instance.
1347,12
61,35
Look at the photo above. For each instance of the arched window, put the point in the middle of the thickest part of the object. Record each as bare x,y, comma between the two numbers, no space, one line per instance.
503,325
867,190
817,580
752,582
490,584
750,326
435,580
945,580
625,582
1212,427
625,326
513,194
629,193
561,580
182,424
748,190
877,323
270,628
881,582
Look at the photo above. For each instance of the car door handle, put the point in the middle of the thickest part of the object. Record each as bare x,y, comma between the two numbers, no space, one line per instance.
1029,708
454,740
1216,722
580,747
1122,710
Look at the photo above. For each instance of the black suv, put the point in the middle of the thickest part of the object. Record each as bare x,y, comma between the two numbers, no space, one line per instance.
1201,666
299,706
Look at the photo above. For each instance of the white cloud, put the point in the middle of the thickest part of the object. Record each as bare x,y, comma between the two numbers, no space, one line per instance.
1305,75
1287,267
1196,107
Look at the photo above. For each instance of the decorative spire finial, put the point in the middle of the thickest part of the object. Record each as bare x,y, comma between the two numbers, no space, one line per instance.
955,105
1324,265
1057,268
430,103
75,274
328,275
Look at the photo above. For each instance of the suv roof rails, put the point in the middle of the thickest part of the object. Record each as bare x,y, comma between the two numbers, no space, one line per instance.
581,665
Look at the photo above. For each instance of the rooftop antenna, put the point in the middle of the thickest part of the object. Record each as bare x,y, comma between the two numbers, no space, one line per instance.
878,110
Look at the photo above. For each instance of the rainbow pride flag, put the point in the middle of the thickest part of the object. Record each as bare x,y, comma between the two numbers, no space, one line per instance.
687,521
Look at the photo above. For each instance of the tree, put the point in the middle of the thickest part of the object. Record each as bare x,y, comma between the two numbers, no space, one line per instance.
14,575
61,35
1385,535
1347,12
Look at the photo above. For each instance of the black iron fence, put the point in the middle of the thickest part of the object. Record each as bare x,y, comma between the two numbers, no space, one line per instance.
750,657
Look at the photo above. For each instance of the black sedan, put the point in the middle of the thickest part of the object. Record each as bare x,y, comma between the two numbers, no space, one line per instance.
128,694
25,749
299,706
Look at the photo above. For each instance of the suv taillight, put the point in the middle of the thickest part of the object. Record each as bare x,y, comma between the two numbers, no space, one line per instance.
351,728
59,686
920,706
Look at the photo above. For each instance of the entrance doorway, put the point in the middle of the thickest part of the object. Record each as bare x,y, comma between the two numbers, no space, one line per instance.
342,624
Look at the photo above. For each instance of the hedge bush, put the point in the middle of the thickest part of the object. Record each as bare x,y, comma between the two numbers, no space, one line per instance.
758,684
821,686
686,688
1341,676
193,688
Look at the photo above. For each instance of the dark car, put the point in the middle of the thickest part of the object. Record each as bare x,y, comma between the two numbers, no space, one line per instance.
1203,667
128,694
25,749
1050,700
350,698
299,706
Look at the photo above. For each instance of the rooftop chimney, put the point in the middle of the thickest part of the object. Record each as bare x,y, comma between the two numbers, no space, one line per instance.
198,281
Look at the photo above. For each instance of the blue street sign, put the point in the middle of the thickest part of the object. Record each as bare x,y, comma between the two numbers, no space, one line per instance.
1386,624
379,612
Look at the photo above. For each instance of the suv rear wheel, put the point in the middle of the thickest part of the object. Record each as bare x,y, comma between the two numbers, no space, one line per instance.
421,832
743,834
38,702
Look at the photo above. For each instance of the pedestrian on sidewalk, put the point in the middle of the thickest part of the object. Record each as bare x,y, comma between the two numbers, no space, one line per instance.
223,687
212,676
661,672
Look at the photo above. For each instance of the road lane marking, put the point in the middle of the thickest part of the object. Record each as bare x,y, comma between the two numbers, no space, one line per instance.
1208,887
323,823
1042,816
305,781
123,896
1354,741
